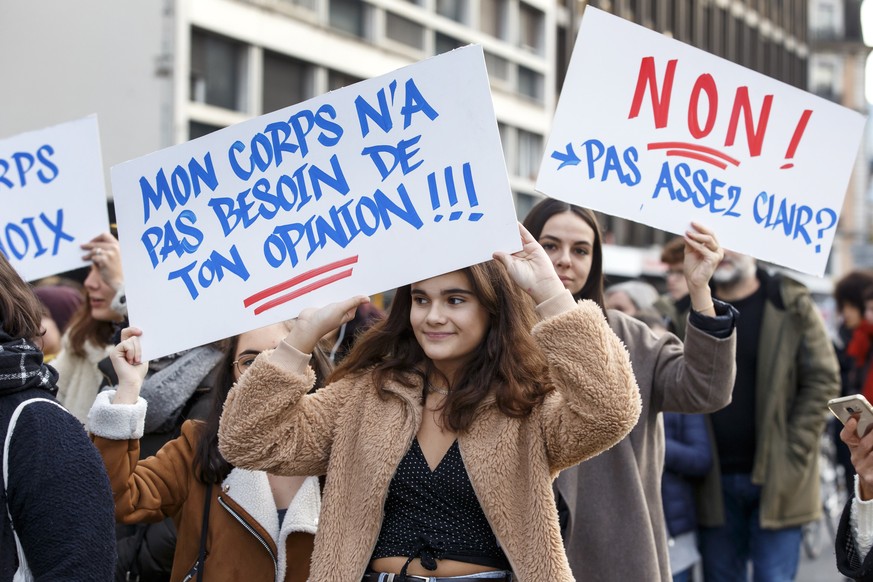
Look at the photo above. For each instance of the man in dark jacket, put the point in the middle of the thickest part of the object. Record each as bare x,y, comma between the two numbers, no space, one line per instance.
767,439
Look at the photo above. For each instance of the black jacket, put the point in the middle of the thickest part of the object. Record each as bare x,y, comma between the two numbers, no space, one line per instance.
849,562
58,494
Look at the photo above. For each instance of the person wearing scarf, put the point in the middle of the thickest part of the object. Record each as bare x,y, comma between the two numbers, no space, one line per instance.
57,522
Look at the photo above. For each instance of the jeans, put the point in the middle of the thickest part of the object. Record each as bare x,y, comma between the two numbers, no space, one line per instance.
683,576
726,550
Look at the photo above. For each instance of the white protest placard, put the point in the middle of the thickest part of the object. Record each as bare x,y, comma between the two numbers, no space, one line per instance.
389,181
659,132
53,197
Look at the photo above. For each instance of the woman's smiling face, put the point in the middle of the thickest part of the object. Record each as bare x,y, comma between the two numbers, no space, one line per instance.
448,320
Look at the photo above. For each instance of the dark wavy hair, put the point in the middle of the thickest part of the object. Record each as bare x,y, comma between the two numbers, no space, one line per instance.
209,464
850,289
507,363
20,310
536,220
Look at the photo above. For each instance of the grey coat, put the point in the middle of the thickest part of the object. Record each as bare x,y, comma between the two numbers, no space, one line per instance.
615,529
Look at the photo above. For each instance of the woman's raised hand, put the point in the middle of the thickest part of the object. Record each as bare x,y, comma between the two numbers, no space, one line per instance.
702,257
105,252
531,268
314,323
126,358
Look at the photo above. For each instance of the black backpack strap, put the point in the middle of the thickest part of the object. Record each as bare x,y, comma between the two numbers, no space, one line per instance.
204,529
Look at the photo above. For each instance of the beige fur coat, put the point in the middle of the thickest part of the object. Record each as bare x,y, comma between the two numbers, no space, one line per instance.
349,432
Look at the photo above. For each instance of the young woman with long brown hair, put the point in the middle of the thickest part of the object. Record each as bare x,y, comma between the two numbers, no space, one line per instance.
612,517
441,432
56,522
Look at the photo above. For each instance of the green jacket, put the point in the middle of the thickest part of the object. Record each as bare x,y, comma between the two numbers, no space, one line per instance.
797,374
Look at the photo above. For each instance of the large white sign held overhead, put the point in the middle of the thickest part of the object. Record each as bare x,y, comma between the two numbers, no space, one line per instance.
656,131
389,181
53,197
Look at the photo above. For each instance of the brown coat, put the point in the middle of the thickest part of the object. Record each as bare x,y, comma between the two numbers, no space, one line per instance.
359,438
243,524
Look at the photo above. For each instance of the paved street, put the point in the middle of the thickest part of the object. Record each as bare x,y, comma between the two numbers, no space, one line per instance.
821,569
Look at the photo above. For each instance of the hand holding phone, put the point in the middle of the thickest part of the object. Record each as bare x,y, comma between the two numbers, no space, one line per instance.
855,405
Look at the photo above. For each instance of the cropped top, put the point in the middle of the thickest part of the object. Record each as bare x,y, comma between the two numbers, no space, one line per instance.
435,515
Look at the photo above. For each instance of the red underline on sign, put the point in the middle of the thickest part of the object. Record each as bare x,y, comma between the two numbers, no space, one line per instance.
696,156
299,279
680,145
303,290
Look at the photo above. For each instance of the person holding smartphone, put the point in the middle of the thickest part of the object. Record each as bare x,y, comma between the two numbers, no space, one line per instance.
855,532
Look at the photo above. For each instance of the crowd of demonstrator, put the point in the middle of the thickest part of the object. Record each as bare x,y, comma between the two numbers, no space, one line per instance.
512,420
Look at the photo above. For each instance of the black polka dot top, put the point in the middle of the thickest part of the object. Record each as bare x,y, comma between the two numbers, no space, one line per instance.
436,515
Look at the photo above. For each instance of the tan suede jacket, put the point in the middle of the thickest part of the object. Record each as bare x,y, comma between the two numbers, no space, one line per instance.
358,438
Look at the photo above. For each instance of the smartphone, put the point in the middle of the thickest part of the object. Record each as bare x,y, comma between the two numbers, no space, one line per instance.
855,405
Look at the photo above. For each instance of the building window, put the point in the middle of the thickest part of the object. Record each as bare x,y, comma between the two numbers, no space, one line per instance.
217,71
445,43
505,137
498,67
754,49
404,31
197,129
492,17
531,24
349,16
309,4
454,9
529,154
337,80
742,49
699,15
286,81
825,23
530,83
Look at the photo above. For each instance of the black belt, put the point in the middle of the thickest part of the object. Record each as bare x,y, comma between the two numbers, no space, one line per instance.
374,577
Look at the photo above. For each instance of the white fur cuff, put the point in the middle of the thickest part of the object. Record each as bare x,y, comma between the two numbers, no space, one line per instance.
118,422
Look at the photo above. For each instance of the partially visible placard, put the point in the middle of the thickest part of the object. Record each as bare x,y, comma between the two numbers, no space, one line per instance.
52,197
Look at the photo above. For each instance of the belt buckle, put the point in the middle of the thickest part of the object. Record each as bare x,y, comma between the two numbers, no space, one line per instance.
409,578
